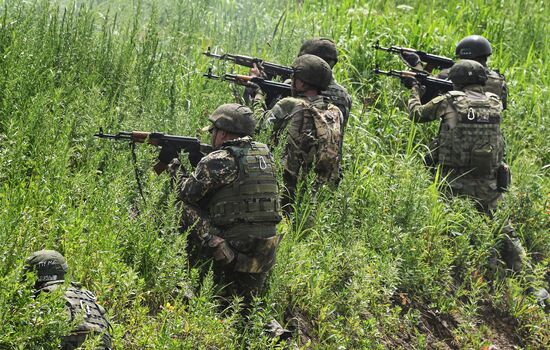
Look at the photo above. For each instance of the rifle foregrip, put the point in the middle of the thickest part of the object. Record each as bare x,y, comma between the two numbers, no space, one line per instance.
140,136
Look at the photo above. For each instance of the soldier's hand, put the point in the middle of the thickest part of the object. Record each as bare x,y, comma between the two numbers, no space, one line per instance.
255,71
221,251
408,82
411,59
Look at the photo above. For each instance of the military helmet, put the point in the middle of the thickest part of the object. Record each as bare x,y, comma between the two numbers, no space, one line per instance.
312,70
473,46
320,47
49,265
466,72
233,118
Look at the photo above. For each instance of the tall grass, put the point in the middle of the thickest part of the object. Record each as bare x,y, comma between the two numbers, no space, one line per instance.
384,262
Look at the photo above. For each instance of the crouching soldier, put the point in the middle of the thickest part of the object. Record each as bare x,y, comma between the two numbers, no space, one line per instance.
50,268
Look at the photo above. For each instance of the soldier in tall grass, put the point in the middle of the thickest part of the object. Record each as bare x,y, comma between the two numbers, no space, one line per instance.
310,126
470,149
477,48
231,205
50,268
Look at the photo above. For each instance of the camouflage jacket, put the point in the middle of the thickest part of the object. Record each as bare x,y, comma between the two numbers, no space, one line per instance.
254,242
82,303
496,83
339,96
292,119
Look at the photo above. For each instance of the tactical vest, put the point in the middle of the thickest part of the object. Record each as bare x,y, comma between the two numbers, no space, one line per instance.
253,197
475,143
81,303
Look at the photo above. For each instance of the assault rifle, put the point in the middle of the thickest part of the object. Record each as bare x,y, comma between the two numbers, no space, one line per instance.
432,61
273,89
433,85
270,69
192,146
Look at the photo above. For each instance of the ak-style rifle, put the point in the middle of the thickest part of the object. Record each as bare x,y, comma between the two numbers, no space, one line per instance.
433,85
273,89
192,146
432,61
271,70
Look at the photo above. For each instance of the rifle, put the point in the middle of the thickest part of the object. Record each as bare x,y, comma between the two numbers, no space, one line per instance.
273,89
433,85
432,61
270,69
192,146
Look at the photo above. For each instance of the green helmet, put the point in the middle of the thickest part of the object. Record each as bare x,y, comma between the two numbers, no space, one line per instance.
320,47
49,265
466,72
473,46
312,70
234,118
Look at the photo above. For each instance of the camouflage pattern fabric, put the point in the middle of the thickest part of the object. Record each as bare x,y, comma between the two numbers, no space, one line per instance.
81,303
339,96
254,243
310,143
463,182
496,83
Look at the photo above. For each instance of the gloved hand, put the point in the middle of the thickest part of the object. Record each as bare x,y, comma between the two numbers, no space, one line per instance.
410,58
221,251
408,82
167,153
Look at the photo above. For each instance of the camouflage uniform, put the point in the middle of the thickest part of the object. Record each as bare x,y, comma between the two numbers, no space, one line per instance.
295,118
339,96
51,267
233,194
462,152
496,83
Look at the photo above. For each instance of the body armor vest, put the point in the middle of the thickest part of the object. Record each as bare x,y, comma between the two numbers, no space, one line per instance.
474,144
81,303
253,197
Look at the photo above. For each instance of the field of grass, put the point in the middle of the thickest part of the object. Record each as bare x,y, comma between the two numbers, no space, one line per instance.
387,262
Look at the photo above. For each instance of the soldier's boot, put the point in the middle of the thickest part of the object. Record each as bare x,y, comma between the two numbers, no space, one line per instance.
513,253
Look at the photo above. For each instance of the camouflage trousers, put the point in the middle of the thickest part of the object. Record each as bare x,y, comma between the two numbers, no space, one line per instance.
484,192
254,246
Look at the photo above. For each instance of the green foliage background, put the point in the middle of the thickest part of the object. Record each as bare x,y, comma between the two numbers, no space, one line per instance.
386,253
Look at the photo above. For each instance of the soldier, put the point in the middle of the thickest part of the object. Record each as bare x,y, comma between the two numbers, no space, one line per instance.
336,93
477,48
230,203
311,126
470,145
50,268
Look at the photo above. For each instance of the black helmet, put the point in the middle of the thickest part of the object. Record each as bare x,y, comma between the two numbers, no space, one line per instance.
312,70
473,46
233,118
466,72
49,265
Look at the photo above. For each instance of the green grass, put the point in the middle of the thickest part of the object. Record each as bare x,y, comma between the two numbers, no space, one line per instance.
386,260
